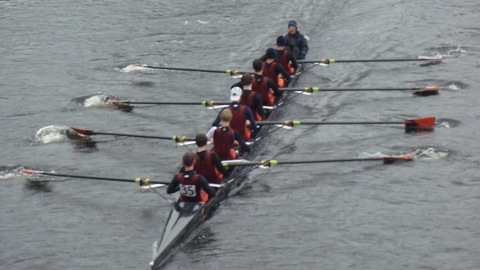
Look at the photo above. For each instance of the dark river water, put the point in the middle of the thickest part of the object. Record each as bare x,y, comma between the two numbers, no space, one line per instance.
59,59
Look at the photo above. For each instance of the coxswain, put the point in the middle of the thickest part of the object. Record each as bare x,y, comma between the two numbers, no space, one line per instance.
284,57
193,187
224,138
274,70
242,117
265,86
296,42
207,163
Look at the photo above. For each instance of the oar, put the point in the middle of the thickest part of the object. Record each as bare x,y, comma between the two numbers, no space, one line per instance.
91,132
416,123
331,61
228,71
273,162
421,91
205,103
140,181
210,104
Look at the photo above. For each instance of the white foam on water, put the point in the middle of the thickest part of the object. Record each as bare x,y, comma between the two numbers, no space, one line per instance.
457,50
8,175
96,101
49,134
431,153
368,155
453,87
136,68
444,124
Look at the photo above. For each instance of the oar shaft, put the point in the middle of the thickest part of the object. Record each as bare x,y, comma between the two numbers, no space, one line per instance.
349,123
378,60
315,89
296,122
163,103
134,135
229,72
205,103
269,163
94,177
330,61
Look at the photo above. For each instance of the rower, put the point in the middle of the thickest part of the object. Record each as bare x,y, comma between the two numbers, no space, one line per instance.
193,187
207,163
265,86
284,57
274,70
250,98
224,138
296,42
242,117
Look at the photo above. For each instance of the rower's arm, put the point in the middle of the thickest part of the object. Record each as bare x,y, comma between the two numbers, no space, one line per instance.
272,85
282,71
217,162
249,116
258,104
292,59
243,146
173,187
203,183
216,122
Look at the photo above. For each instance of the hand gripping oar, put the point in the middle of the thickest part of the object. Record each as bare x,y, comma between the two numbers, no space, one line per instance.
177,139
420,91
228,71
410,124
331,61
273,162
140,181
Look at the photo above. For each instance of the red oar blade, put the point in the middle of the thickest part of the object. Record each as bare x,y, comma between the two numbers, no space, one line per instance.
425,123
391,159
30,171
83,131
426,91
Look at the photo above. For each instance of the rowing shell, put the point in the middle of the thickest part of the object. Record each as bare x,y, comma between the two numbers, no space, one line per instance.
185,217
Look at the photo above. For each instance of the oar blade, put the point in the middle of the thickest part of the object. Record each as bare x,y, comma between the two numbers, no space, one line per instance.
83,131
391,159
426,91
421,124
28,171
122,105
